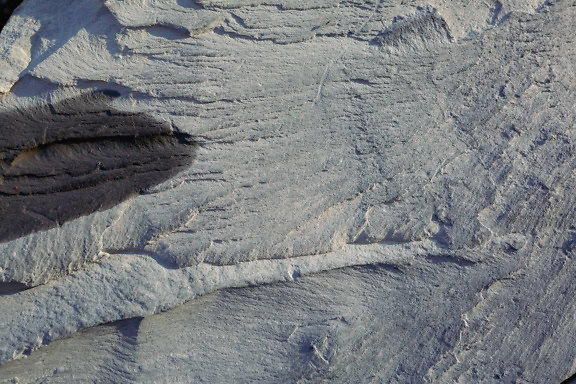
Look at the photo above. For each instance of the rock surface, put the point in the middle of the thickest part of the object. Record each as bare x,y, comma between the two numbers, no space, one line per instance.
401,174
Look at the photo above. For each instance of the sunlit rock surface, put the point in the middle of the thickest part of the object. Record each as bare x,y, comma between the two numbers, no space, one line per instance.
379,191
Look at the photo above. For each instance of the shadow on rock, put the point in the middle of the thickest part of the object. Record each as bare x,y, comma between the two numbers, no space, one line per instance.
62,161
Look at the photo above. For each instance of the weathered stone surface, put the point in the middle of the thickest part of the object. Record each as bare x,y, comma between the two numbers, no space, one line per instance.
428,144
432,321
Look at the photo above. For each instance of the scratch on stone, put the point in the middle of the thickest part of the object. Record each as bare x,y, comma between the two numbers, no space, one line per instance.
322,82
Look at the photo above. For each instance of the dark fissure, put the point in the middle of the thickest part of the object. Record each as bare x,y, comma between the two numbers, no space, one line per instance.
6,9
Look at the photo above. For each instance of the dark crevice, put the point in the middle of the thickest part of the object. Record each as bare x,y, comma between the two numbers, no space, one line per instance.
379,267
69,159
6,9
169,31
128,329
570,380
441,259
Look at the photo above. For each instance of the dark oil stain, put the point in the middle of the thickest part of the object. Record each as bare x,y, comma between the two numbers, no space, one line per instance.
69,159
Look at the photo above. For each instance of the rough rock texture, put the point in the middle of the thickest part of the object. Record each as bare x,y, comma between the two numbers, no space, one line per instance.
420,155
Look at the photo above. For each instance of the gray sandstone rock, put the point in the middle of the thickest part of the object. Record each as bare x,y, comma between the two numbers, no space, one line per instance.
382,191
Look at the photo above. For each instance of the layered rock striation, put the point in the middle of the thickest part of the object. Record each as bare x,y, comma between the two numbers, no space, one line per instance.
328,191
